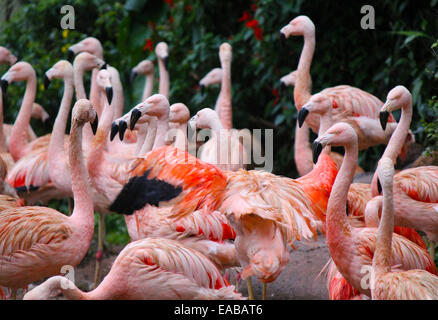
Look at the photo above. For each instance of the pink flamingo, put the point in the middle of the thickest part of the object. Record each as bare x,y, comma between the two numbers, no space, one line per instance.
415,200
352,248
6,56
395,285
36,242
354,104
149,269
179,115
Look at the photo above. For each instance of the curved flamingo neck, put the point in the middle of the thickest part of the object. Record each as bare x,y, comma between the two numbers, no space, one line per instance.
164,79
302,90
399,135
339,231
148,86
82,217
382,255
224,99
56,146
17,140
326,121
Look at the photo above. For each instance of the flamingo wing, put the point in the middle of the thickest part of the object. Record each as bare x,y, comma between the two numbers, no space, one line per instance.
169,173
25,227
419,183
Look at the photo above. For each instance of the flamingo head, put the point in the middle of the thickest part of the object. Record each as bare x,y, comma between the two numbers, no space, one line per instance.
103,81
156,105
90,45
6,57
38,112
339,135
288,80
162,52
179,113
397,98
318,103
84,112
203,119
60,70
86,61
225,52
144,67
213,77
299,26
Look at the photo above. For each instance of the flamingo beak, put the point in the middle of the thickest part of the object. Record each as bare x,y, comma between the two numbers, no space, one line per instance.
70,55
46,82
384,115
282,87
109,94
122,128
379,186
302,116
94,124
104,66
202,87
166,62
135,115
132,76
114,130
316,150
282,39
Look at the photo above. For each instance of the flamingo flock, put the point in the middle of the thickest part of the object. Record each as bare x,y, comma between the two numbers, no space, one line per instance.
193,210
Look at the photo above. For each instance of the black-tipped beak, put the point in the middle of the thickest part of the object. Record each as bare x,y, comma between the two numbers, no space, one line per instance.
302,116
122,128
282,87
384,115
109,94
379,186
282,39
94,125
166,63
46,82
135,115
70,55
105,65
132,76
316,150
4,84
202,87
114,130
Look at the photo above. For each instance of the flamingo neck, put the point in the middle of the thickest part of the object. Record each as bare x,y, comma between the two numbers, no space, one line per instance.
399,135
382,255
95,159
181,136
164,79
82,217
94,92
224,100
338,228
17,140
78,77
56,146
118,102
302,150
302,90
325,123
148,86
141,137
150,136
162,129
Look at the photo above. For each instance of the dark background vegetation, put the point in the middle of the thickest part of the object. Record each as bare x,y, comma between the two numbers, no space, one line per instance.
399,51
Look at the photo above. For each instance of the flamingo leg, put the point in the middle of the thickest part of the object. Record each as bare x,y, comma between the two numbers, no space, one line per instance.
264,291
99,253
250,291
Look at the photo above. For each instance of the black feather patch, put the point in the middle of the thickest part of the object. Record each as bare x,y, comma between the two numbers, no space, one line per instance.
25,189
140,191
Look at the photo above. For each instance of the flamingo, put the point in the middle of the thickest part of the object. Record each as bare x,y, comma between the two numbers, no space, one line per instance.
224,148
179,115
6,56
36,242
395,285
149,269
214,76
348,103
92,46
415,200
353,248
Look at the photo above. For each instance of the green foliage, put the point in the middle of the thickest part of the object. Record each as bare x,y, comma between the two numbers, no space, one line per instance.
401,50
